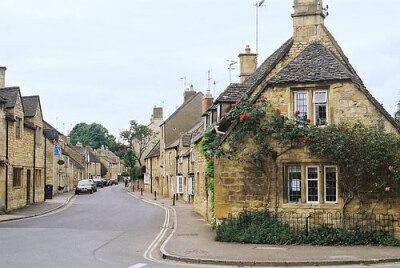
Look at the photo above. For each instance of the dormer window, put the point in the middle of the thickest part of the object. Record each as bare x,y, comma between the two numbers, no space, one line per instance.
218,112
18,123
320,107
315,109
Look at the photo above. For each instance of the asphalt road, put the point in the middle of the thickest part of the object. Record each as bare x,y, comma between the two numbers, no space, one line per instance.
109,228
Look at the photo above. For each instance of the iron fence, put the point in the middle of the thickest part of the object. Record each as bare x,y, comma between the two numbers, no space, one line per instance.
307,221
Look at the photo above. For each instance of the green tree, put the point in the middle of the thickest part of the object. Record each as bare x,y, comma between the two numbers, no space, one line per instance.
94,135
139,138
397,114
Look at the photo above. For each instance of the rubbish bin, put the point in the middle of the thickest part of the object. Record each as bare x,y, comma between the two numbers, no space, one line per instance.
49,191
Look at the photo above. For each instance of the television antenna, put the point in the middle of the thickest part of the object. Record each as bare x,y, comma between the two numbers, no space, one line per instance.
257,5
184,82
230,68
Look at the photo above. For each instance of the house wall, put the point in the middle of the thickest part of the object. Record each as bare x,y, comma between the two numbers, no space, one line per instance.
239,185
202,203
3,141
17,195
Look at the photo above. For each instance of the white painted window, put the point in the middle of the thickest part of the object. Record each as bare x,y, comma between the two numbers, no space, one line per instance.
193,154
331,184
320,107
301,104
218,112
312,184
179,184
294,184
191,185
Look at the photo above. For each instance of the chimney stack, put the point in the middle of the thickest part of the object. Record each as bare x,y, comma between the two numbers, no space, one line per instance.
206,102
189,92
2,76
248,64
308,17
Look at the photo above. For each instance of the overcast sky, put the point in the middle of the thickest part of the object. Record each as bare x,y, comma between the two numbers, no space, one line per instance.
112,61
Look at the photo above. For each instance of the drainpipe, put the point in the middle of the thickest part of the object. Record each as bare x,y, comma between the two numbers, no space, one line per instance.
7,147
45,168
151,175
34,167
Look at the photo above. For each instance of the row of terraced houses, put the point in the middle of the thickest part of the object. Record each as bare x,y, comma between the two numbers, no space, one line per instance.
36,160
309,73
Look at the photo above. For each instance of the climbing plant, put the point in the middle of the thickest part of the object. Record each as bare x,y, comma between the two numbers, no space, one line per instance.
368,159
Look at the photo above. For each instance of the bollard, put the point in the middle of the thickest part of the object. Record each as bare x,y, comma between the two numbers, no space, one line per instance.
133,187
173,200
189,199
155,195
141,191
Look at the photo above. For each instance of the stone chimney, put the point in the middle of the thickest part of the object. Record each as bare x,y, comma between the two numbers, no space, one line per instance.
157,114
206,102
308,17
189,92
248,64
2,76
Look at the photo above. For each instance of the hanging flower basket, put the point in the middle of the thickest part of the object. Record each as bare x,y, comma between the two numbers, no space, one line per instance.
3,163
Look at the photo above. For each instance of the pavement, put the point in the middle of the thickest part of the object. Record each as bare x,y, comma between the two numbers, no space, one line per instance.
190,239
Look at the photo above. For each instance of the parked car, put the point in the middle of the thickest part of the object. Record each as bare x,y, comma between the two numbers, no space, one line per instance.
99,182
114,181
84,186
106,181
94,186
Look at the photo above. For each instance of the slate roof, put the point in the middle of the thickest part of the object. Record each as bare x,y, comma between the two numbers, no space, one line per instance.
10,94
2,100
30,104
267,66
183,105
314,64
232,93
154,152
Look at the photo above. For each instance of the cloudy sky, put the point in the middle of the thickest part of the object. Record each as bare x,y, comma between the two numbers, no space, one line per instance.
112,61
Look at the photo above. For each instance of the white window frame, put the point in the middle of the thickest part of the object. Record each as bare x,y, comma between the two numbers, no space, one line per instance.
218,112
294,186
191,184
296,105
308,180
193,154
205,121
337,191
179,184
319,103
210,118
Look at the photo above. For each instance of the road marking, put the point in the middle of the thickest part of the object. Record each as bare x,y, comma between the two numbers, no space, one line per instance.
138,265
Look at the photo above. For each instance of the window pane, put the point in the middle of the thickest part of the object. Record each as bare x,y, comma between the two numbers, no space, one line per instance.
294,183
319,97
312,184
330,184
320,114
301,104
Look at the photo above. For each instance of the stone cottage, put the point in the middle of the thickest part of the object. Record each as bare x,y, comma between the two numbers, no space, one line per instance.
308,75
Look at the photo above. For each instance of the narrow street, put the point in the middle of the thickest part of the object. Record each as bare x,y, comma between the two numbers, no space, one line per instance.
106,229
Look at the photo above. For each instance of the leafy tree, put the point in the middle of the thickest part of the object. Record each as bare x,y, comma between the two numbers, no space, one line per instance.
94,135
129,158
397,114
139,138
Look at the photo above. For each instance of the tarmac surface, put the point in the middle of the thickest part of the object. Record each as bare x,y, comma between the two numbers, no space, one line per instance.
190,239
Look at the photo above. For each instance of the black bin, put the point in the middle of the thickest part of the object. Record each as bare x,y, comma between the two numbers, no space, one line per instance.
49,191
